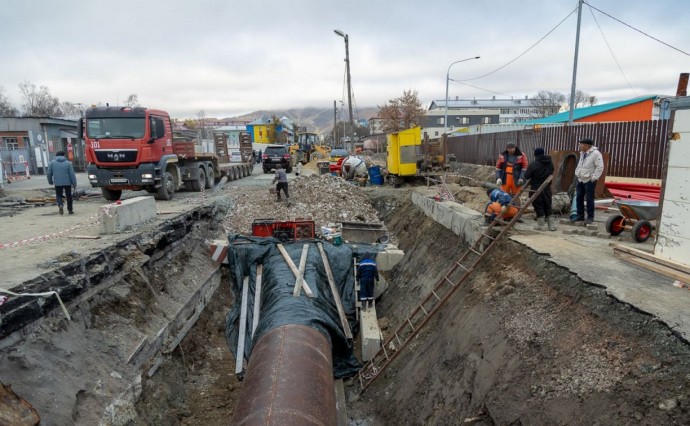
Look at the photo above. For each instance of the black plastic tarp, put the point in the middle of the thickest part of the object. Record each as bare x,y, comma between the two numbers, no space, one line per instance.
279,307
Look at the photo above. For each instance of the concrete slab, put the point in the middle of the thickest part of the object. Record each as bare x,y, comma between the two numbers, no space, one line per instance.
387,259
369,333
593,261
133,211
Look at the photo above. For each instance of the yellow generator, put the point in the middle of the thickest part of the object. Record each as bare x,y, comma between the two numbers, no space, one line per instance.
403,154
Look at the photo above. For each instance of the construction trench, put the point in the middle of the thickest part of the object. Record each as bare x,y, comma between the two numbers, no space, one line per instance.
523,341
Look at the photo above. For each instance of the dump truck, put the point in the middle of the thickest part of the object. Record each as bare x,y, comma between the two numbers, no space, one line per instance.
134,149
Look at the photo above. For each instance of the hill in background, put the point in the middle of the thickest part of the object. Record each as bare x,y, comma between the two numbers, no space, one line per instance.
317,120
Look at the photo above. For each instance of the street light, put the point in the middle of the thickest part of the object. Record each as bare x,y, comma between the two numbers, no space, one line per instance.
347,63
445,120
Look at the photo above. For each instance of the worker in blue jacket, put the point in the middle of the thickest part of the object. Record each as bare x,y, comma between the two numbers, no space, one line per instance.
368,275
499,202
61,173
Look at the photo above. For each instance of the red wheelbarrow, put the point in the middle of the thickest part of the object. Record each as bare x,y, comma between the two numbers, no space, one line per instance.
636,215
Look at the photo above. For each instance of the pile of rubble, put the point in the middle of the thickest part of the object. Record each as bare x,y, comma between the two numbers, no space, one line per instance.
324,198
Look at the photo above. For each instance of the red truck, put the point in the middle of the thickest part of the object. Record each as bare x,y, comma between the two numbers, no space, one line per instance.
134,149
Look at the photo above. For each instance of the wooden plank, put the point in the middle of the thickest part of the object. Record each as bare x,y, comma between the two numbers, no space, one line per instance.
654,267
239,360
294,270
84,237
300,273
334,290
257,298
648,256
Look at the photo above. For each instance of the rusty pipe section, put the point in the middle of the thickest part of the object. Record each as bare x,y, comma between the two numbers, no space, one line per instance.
289,380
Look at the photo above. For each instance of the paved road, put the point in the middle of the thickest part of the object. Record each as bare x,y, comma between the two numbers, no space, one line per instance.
40,182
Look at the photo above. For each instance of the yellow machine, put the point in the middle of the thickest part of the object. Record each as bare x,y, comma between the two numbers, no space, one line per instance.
306,148
403,154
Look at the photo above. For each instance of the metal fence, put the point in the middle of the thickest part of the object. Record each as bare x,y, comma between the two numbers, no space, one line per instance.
636,148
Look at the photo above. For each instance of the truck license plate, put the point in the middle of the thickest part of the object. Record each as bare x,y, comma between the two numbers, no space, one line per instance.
119,180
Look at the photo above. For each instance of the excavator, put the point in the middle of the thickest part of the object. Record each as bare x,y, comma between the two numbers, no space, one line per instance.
307,149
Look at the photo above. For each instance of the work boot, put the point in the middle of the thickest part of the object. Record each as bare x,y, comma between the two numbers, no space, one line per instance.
552,222
60,210
541,224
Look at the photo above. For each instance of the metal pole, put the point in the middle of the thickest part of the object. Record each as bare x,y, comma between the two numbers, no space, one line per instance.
349,84
445,120
335,124
577,48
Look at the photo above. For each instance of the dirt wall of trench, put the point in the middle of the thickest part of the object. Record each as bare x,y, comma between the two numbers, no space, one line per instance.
523,341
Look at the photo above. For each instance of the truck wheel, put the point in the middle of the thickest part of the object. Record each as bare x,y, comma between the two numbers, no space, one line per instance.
267,170
250,169
111,194
210,178
200,183
167,188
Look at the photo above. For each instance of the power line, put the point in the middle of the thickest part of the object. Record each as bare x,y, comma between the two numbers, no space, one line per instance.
523,53
639,31
611,50
481,88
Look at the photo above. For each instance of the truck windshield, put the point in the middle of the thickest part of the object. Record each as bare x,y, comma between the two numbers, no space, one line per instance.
116,128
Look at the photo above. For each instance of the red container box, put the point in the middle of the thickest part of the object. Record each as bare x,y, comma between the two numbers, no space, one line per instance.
285,230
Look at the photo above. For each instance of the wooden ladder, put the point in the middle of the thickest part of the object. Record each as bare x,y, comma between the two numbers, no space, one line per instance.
442,291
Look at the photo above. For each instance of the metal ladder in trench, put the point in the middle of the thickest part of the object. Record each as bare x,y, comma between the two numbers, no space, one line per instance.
442,291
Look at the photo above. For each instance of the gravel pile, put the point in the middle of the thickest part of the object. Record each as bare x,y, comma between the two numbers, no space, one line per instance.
323,198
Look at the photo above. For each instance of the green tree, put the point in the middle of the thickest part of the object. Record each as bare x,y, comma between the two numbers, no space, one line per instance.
402,113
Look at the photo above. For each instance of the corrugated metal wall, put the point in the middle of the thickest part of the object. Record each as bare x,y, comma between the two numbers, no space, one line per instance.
636,148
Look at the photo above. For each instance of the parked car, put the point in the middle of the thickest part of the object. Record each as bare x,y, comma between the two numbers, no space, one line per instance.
274,155
235,156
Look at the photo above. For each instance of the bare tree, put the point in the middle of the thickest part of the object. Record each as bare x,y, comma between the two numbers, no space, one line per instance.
6,107
132,100
402,113
70,110
583,99
38,102
547,102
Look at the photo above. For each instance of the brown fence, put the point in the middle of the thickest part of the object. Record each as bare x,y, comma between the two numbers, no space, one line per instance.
636,148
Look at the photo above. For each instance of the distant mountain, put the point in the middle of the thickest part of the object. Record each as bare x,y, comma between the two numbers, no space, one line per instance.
316,120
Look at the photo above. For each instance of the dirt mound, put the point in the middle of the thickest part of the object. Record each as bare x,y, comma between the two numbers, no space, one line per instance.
524,341
324,198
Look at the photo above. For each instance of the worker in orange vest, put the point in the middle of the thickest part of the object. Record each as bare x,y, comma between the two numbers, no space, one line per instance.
510,169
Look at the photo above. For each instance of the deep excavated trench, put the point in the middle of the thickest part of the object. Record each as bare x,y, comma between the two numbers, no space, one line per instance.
524,341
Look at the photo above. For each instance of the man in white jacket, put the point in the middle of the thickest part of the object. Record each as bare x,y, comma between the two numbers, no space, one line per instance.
588,171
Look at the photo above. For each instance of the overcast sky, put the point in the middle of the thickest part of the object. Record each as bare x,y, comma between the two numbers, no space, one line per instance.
229,57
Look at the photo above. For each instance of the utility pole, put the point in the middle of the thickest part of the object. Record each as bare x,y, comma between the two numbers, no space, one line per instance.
349,85
335,124
577,48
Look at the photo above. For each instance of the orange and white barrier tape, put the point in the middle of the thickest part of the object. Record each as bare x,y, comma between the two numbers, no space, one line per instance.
89,222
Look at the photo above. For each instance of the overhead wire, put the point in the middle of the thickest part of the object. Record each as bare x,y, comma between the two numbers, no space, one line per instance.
611,50
480,88
639,31
523,53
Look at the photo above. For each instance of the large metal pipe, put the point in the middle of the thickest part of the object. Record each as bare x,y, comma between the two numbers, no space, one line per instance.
289,380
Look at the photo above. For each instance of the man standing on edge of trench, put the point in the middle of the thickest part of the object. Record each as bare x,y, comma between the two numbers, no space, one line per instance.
510,169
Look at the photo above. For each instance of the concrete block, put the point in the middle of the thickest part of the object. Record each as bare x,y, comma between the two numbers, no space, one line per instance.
569,231
131,212
387,259
592,227
591,233
604,235
369,333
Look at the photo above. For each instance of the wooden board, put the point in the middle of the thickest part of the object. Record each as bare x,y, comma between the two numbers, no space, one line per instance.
648,256
300,273
336,295
654,267
84,237
294,270
239,360
257,298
